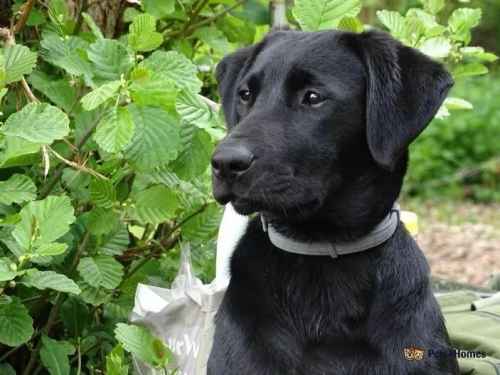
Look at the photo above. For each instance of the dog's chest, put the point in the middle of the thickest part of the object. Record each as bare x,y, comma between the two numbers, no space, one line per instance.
317,299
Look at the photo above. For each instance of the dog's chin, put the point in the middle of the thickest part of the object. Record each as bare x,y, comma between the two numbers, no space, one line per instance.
245,206
292,212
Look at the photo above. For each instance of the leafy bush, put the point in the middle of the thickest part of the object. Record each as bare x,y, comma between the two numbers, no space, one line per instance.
104,152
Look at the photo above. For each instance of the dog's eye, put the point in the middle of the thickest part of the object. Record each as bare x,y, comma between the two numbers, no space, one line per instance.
313,99
245,95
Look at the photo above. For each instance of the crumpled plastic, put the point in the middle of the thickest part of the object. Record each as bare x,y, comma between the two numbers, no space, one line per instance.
183,315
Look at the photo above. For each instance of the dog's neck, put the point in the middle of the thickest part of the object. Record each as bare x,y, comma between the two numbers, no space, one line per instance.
380,234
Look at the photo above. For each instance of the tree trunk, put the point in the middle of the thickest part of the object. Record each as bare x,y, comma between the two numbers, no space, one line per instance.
107,14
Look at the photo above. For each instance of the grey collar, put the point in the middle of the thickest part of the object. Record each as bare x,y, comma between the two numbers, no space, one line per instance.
381,233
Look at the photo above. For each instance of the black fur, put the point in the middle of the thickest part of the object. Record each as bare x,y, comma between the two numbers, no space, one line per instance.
328,172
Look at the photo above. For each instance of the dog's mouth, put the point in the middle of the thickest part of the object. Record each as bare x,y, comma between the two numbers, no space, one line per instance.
277,206
277,192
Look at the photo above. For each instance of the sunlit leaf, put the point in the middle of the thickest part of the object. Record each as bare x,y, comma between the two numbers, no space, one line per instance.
38,123
18,61
115,131
100,95
49,280
17,189
140,342
314,15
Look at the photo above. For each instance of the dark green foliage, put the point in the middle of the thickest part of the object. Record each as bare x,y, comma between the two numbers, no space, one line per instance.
460,155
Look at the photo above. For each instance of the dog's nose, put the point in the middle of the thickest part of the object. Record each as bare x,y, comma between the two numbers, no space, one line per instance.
231,161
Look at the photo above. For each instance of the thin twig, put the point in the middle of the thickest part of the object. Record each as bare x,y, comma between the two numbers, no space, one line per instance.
57,173
204,22
28,91
23,18
164,244
193,15
11,351
54,311
76,165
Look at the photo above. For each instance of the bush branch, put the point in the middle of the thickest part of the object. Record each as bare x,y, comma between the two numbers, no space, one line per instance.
188,31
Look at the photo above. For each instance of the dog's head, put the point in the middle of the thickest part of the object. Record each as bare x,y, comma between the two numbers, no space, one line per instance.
309,114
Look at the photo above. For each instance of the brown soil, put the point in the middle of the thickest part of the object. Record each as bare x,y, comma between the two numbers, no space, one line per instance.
461,240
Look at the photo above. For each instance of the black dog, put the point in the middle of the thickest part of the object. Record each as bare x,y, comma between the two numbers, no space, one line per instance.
319,129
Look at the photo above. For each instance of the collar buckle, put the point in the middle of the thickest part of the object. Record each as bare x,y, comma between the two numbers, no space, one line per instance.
333,251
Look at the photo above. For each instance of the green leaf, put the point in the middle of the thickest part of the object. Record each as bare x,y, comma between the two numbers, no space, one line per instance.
75,316
479,54
155,205
194,110
115,362
140,342
237,30
130,13
194,158
155,90
68,53
94,296
351,24
19,61
159,9
17,189
174,67
3,92
394,21
467,70
101,271
92,25
156,139
54,355
6,272
110,58
102,193
437,48
458,104
96,97
203,226
38,123
215,39
6,369
49,280
44,221
314,15
50,249
102,221
115,131
16,325
433,6
143,35
461,21
18,151
115,243
59,92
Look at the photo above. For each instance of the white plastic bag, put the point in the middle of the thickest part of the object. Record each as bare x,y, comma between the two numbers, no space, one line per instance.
183,316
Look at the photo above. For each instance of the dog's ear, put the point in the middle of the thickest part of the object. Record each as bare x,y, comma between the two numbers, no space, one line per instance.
227,73
405,89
